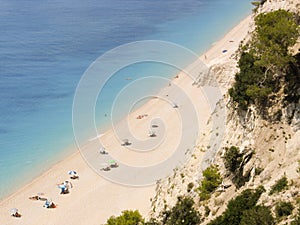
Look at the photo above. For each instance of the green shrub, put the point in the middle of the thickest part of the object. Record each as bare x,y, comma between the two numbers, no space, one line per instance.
265,55
232,158
183,213
259,215
279,186
128,217
152,221
283,209
211,180
233,161
237,207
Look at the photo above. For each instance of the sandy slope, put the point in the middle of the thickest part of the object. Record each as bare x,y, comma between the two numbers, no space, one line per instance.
93,199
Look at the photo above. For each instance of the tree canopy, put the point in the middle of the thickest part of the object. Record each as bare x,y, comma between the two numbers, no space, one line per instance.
239,207
211,180
259,215
128,217
183,213
274,34
266,59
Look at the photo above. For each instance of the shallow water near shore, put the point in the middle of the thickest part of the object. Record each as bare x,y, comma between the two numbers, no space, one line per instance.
46,47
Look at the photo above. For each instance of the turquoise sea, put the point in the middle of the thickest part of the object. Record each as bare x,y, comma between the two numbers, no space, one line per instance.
45,47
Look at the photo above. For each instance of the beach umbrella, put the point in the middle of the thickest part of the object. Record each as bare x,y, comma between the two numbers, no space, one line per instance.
152,133
102,150
174,105
72,172
62,186
125,142
111,161
14,211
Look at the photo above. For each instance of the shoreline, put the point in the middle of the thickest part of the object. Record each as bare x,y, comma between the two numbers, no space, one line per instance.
82,191
68,152
36,179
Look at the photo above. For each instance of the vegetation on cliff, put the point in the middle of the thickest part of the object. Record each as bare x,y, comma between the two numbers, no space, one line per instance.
279,186
211,180
234,162
183,213
128,217
239,208
267,67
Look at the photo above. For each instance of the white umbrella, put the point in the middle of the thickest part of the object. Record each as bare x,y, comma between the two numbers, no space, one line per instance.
14,211
72,172
152,133
125,142
102,150
174,105
62,186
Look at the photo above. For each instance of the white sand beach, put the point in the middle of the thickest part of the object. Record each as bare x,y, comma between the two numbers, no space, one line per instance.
93,199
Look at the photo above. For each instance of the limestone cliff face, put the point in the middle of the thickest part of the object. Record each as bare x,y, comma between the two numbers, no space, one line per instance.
275,144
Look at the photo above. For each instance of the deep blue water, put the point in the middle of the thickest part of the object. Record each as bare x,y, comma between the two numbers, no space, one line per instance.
45,47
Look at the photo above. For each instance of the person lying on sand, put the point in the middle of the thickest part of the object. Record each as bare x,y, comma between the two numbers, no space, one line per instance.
141,116
36,197
15,213
74,177
107,168
114,165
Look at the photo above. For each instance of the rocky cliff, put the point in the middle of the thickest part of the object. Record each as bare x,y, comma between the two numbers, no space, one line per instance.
270,149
